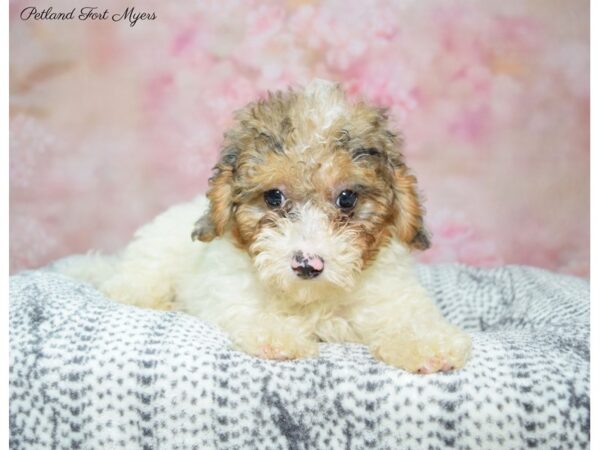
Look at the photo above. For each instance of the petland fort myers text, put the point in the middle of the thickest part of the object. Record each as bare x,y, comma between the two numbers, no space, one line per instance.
87,13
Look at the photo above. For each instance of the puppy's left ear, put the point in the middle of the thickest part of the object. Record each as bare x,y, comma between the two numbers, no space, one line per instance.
220,195
409,210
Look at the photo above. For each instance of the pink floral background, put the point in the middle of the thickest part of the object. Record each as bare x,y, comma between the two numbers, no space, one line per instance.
110,124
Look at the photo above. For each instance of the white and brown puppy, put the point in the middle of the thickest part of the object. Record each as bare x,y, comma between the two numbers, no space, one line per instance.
304,236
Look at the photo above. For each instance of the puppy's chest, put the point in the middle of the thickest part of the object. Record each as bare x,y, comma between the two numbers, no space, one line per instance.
336,328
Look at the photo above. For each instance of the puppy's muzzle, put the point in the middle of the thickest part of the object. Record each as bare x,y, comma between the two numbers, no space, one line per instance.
307,266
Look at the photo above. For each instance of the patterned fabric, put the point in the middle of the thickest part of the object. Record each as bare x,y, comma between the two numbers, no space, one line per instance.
89,373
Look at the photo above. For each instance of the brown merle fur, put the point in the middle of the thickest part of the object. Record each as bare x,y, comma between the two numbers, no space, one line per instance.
279,142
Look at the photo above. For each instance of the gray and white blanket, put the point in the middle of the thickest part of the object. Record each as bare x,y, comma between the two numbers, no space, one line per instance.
92,374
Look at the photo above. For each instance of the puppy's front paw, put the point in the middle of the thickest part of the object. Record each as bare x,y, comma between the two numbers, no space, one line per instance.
277,344
439,350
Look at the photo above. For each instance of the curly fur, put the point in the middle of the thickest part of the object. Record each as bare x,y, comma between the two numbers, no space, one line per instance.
311,144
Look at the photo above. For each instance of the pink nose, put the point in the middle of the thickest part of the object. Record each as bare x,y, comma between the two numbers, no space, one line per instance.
307,265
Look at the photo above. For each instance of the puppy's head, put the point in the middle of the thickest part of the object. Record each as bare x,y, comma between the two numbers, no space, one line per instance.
312,186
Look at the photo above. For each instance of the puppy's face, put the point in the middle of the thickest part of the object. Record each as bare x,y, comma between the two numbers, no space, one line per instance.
312,187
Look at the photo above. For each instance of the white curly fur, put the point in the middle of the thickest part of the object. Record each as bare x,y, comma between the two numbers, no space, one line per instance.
385,307
253,293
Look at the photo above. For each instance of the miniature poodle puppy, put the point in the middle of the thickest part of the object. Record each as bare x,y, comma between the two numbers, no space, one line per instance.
304,236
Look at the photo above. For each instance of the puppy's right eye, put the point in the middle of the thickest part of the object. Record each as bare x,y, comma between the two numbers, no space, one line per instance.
274,198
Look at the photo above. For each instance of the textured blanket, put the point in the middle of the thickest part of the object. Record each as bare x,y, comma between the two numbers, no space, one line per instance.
89,373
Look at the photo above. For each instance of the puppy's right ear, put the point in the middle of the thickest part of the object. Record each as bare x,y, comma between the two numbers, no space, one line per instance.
220,195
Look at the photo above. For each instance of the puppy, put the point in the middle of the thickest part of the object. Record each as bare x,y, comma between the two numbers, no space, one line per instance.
304,236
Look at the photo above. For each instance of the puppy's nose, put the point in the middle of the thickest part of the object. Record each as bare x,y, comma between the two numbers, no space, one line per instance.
306,265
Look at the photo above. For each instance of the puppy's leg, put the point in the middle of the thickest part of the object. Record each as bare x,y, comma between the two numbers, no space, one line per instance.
142,278
426,344
140,285
161,253
409,332
131,277
272,336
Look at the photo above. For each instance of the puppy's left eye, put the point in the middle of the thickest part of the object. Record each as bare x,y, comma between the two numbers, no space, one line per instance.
346,199
274,198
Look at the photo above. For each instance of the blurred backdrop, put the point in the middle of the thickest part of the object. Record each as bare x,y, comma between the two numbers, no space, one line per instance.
110,124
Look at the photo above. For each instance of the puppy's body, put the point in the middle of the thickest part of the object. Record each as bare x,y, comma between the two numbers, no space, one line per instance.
305,236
